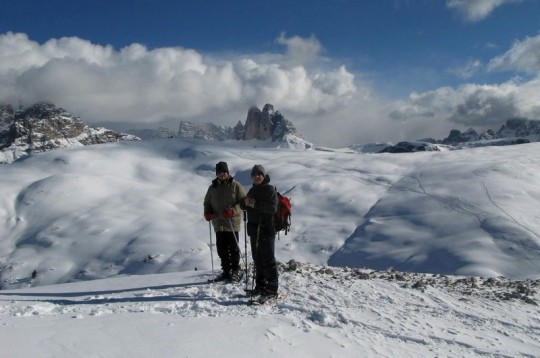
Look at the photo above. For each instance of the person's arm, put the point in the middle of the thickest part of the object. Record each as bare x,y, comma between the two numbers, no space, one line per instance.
208,203
239,198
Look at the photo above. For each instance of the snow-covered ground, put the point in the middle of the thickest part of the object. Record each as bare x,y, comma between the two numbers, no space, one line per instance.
395,254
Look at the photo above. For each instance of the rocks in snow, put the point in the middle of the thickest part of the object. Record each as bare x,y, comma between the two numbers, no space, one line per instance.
494,288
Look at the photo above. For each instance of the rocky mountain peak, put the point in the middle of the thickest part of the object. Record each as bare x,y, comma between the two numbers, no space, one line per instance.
268,109
515,130
6,119
258,124
206,131
43,122
44,126
6,110
456,136
267,124
520,127
238,131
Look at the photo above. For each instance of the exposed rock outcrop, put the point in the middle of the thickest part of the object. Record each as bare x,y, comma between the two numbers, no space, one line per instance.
44,127
409,147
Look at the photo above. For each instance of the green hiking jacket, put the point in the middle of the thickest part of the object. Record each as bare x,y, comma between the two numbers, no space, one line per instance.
221,196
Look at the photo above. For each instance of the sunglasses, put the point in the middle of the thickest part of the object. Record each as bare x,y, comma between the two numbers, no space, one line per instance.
257,174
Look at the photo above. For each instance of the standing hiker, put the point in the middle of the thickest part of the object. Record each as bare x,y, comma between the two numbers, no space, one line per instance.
261,205
221,207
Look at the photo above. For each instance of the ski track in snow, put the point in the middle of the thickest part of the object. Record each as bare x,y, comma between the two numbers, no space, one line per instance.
527,250
436,317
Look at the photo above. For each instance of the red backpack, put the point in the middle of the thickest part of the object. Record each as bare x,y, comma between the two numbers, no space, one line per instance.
282,219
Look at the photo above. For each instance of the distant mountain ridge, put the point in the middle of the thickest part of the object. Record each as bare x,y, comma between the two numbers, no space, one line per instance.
42,127
514,131
206,131
514,128
266,125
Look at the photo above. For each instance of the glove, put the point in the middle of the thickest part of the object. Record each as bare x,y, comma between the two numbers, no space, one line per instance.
250,202
229,213
208,216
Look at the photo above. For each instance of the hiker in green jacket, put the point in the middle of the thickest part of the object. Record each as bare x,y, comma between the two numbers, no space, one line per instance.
221,207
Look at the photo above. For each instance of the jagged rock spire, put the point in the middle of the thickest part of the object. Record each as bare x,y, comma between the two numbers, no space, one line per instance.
267,124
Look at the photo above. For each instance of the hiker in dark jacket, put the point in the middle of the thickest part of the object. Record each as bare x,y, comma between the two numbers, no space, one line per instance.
261,205
221,207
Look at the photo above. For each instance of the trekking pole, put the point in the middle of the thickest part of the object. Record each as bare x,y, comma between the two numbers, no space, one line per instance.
245,246
256,256
236,239
211,254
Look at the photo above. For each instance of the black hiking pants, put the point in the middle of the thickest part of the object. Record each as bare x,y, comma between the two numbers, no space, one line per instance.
266,273
227,249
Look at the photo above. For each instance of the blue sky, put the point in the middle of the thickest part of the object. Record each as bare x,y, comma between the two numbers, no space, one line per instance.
419,67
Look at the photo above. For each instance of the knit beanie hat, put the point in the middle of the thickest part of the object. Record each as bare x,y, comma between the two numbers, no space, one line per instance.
258,169
221,167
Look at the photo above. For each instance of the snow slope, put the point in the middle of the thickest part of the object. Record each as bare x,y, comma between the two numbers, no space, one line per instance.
323,313
136,208
121,256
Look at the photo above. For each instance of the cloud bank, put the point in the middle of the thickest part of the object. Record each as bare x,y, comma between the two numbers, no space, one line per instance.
144,86
140,87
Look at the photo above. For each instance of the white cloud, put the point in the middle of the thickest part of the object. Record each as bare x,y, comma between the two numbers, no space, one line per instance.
476,10
300,51
340,82
138,85
480,106
523,56
485,105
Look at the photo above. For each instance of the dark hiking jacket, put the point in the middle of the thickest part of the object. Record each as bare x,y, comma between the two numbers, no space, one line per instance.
261,216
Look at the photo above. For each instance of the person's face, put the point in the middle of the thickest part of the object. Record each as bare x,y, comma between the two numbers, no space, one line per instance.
257,178
222,176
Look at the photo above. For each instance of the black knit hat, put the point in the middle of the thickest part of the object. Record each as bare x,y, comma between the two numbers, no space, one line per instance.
221,167
258,169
